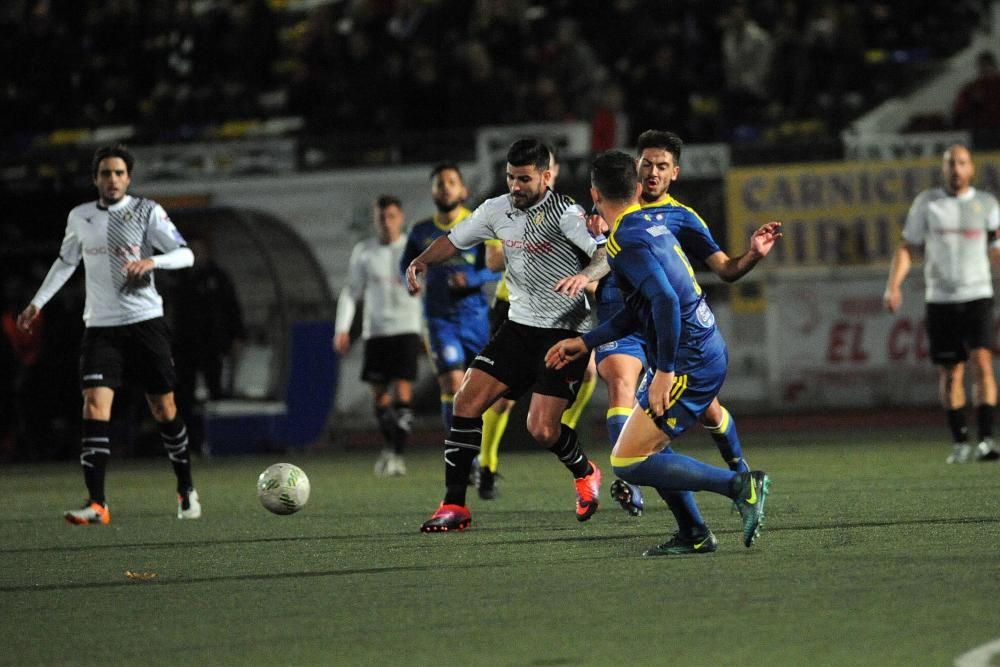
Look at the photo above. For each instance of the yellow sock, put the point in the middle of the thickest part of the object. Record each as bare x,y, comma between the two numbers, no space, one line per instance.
494,424
572,414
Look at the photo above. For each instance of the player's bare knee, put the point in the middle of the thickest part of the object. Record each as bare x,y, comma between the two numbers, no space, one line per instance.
545,432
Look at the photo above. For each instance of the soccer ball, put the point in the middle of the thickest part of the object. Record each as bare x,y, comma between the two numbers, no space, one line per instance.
283,488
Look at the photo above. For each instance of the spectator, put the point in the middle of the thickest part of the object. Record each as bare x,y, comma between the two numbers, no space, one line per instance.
977,105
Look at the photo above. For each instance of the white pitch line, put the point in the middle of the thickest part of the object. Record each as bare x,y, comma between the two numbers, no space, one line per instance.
981,656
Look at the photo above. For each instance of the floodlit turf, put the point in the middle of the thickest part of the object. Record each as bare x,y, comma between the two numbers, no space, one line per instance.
874,552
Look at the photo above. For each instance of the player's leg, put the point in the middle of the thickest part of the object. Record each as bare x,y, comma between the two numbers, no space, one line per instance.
148,351
478,391
444,344
642,456
948,352
572,415
101,370
619,365
494,425
984,397
722,427
978,337
386,420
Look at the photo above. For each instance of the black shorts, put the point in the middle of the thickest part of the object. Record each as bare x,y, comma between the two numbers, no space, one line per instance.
516,356
389,358
955,328
141,352
498,315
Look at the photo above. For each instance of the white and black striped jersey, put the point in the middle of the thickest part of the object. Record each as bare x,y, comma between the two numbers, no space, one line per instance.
954,232
389,309
106,239
542,244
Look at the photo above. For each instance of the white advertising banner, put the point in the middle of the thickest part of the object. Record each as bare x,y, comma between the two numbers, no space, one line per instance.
832,344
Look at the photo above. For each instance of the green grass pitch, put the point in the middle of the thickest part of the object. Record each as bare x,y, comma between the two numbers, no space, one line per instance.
874,552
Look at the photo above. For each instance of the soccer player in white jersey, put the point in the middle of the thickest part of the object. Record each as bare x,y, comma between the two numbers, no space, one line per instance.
390,329
956,227
546,250
126,336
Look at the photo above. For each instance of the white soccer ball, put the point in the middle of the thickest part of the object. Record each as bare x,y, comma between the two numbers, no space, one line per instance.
283,488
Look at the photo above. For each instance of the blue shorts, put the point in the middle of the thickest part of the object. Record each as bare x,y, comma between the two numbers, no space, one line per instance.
691,395
633,345
454,344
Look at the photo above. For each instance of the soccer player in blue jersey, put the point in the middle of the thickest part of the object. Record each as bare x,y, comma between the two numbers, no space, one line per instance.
620,362
456,310
687,362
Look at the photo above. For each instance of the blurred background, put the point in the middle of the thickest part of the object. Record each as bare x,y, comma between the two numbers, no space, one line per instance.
267,128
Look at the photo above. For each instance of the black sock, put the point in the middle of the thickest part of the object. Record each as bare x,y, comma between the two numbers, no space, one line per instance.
175,441
460,448
984,421
95,450
402,427
567,448
956,422
386,422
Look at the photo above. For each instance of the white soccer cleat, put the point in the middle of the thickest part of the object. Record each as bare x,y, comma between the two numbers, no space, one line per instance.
987,451
960,453
91,513
193,510
382,463
396,467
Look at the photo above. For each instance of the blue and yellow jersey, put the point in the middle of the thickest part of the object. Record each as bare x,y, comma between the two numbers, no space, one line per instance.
663,300
440,300
692,233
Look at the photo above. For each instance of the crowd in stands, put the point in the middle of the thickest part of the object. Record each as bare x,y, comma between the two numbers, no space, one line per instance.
709,69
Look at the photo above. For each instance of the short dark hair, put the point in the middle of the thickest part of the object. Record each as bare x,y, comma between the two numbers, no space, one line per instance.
104,152
668,141
525,152
613,174
446,166
385,201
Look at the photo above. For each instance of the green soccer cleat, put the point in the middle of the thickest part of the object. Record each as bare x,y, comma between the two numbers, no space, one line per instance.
754,487
678,545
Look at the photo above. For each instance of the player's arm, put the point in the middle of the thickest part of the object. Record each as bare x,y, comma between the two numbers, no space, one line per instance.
992,224
495,260
166,238
732,269
574,225
618,326
902,260
474,277
70,254
440,251
350,294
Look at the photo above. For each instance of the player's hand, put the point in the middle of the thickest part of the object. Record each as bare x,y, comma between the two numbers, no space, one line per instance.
764,238
892,299
342,342
659,392
413,273
565,351
138,268
572,285
28,317
596,225
457,280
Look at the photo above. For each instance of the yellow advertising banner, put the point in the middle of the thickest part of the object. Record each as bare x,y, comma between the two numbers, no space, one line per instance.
835,213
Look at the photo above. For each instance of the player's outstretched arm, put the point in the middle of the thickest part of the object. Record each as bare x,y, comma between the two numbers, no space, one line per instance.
595,270
565,351
440,251
762,241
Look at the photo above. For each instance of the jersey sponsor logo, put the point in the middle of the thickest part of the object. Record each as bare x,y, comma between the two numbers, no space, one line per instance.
613,345
973,234
485,360
94,376
706,317
540,248
656,230
116,251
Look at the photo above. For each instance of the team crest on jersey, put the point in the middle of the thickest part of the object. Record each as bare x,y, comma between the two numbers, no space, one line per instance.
128,216
706,317
538,218
656,230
